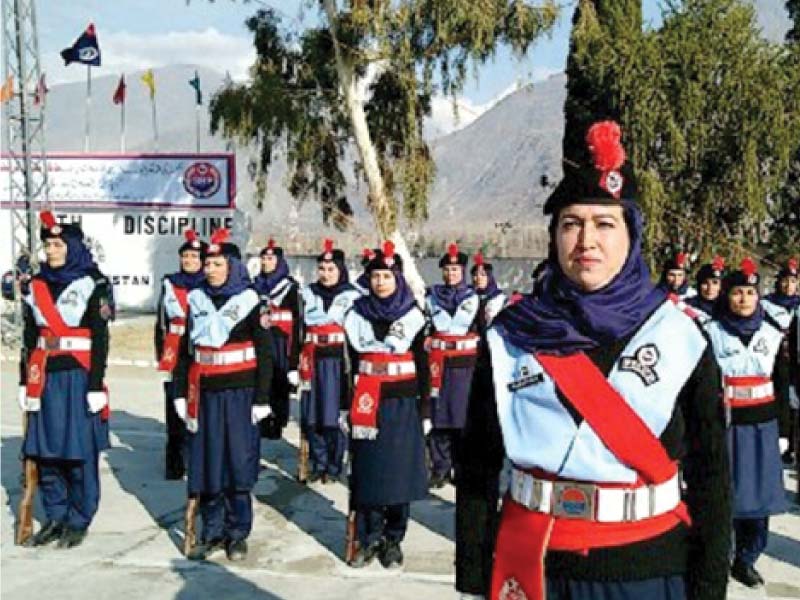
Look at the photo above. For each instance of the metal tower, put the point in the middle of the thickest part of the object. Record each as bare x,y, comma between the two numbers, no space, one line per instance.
24,147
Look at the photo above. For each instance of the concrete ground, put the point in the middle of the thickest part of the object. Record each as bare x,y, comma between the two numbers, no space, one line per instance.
296,549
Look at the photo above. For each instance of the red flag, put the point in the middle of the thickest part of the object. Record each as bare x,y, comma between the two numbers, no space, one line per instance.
119,94
41,91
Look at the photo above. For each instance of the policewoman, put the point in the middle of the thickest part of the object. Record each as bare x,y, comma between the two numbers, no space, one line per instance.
747,343
222,388
67,307
605,391
477,491
280,298
783,305
388,411
709,284
675,277
171,313
453,308
323,366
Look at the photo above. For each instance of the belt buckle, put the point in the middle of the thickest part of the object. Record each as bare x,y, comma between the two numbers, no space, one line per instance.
322,338
574,500
51,342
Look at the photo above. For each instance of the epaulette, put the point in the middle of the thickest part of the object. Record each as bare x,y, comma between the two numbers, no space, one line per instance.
683,307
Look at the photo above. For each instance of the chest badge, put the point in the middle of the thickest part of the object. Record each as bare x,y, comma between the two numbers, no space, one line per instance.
642,363
526,379
761,347
397,330
231,313
70,298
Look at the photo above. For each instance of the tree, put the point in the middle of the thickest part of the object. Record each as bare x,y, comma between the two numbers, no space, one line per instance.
365,78
709,114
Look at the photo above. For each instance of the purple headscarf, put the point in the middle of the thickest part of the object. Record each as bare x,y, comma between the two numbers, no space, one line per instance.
388,309
450,297
266,282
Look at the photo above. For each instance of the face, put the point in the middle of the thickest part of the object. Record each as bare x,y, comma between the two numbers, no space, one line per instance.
788,285
709,289
452,274
480,280
328,273
190,261
216,270
382,283
592,243
743,300
675,278
55,252
269,262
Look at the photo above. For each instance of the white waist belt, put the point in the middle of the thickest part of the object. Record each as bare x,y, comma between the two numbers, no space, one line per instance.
64,343
325,338
281,315
177,329
469,344
592,502
749,392
224,357
391,369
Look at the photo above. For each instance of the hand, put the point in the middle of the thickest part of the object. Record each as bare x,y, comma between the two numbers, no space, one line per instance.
180,408
97,401
26,403
427,426
294,378
343,423
260,411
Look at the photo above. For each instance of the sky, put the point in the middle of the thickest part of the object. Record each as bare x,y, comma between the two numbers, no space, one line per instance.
140,34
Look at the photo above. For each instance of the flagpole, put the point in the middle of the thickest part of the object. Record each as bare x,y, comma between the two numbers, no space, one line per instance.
122,127
197,125
88,105
155,122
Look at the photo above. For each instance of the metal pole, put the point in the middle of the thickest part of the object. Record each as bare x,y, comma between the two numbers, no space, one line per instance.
155,123
88,105
122,127
26,151
197,125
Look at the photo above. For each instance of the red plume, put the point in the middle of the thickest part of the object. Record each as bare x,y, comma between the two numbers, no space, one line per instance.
328,245
718,263
270,244
47,218
190,235
388,249
792,264
452,250
220,236
479,262
603,140
367,253
748,267
681,259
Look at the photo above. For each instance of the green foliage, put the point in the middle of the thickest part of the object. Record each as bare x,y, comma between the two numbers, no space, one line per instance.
410,49
709,112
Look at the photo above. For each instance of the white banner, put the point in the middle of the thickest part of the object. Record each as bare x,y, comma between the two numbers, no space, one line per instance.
160,181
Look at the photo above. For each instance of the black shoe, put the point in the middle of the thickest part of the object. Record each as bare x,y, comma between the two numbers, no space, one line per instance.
236,550
788,458
391,555
50,532
175,468
746,574
314,477
436,482
71,537
204,550
365,556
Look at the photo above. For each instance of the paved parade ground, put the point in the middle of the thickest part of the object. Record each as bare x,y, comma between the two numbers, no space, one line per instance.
297,543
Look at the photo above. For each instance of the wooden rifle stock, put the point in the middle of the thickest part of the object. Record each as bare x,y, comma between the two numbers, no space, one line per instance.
302,462
30,473
190,537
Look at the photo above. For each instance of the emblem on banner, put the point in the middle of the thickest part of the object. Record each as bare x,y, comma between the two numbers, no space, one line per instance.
34,374
435,371
169,355
202,180
512,590
365,404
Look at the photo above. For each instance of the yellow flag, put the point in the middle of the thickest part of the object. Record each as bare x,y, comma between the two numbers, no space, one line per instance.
150,81
7,90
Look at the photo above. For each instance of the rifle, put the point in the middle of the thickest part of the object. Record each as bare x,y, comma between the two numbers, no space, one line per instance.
31,480
190,537
302,462
350,543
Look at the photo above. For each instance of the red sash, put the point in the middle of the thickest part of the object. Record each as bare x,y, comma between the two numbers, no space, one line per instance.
367,396
56,328
437,357
197,371
172,341
525,535
308,353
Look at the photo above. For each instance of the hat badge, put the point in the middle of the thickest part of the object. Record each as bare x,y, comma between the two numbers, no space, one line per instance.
55,230
613,183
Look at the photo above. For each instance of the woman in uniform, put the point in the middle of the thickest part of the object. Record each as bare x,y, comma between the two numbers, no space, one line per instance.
385,340
709,284
280,298
67,308
747,344
222,388
605,392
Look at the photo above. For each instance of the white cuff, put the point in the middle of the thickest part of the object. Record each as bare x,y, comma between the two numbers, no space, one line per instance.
180,408
97,401
260,411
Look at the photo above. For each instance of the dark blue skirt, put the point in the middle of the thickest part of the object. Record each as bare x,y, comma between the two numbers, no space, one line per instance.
224,453
659,588
391,468
757,470
280,357
320,406
449,410
64,428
